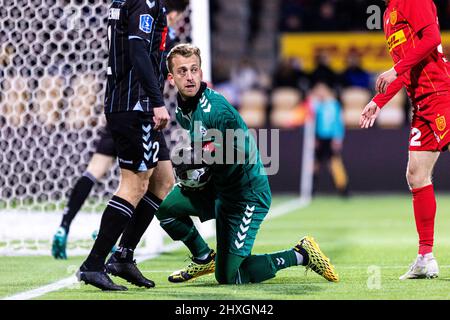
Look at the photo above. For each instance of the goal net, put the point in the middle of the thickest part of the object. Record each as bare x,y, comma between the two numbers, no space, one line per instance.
53,56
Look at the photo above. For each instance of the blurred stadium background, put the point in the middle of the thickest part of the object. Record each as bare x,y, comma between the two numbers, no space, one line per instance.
266,57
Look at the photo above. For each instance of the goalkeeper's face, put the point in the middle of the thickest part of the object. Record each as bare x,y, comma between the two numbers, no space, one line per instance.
187,75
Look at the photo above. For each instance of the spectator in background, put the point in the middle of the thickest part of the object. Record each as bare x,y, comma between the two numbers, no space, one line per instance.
336,15
245,76
292,23
323,73
355,75
326,20
330,132
289,73
292,15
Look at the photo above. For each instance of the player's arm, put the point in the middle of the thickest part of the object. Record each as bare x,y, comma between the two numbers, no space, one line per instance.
422,18
373,108
381,99
143,68
141,25
431,39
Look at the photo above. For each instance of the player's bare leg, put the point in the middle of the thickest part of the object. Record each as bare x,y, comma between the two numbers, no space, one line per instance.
98,166
162,180
419,176
133,185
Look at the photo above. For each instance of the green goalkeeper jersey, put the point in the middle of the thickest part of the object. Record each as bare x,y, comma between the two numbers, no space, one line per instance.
240,171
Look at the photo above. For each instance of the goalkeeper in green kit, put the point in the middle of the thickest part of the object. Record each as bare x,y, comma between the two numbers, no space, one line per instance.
237,194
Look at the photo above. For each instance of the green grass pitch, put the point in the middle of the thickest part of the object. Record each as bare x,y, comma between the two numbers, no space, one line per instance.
370,240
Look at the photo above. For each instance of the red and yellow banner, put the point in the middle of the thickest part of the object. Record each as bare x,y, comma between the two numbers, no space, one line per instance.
372,47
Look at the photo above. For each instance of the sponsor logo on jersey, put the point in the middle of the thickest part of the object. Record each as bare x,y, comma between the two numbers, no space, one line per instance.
441,123
146,23
151,4
114,14
396,39
393,17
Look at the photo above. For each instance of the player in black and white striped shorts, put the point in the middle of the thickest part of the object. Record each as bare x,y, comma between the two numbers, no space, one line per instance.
135,112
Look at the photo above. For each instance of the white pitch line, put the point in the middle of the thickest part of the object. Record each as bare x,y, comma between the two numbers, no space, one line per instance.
70,281
287,207
55,286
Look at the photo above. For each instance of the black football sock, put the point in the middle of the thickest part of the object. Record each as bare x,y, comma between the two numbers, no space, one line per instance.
114,220
77,197
143,216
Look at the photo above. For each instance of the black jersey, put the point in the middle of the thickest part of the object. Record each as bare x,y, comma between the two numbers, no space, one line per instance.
137,32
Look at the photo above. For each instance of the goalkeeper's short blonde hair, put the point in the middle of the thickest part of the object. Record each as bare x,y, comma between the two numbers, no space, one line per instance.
185,50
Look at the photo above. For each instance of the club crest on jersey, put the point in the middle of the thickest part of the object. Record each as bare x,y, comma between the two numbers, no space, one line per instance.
441,123
146,23
393,17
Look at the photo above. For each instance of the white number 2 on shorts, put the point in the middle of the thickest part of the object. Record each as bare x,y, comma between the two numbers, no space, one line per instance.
415,139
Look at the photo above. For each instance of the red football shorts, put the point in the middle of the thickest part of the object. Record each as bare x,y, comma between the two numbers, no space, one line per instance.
430,128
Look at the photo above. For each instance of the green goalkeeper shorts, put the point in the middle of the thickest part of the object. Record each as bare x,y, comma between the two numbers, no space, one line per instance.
237,222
